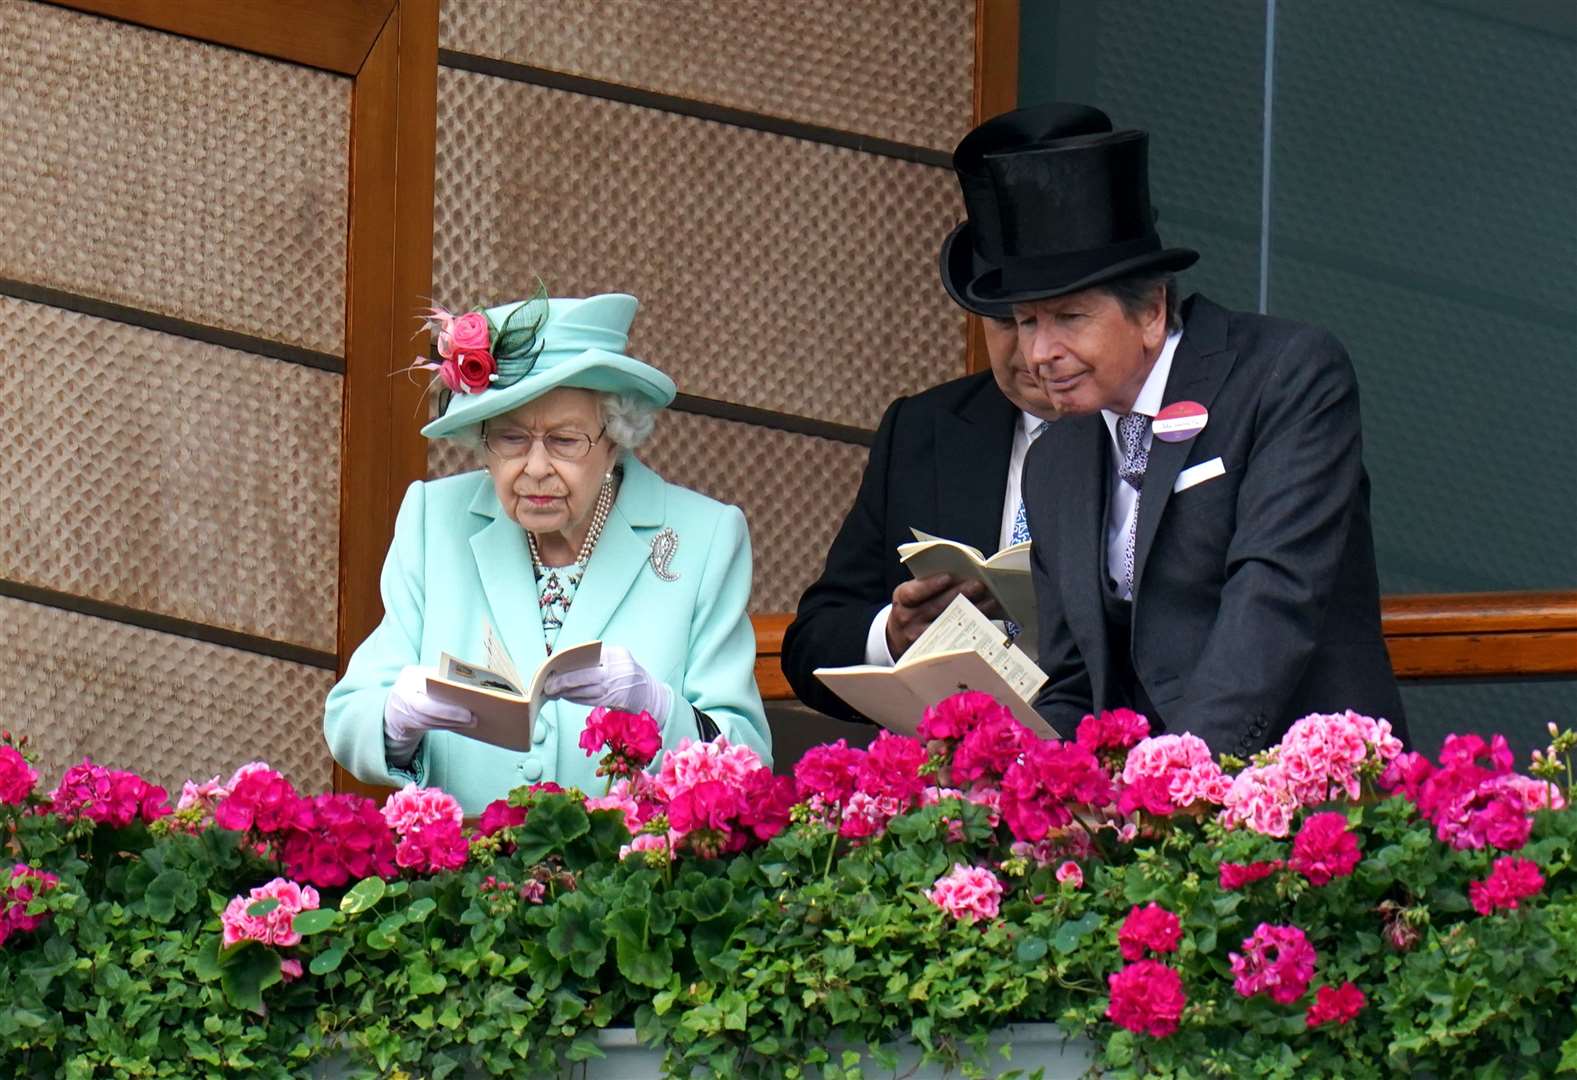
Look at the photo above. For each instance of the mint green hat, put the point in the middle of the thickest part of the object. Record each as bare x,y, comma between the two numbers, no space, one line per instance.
542,344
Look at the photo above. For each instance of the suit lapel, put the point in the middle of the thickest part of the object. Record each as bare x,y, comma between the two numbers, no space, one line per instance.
503,562
1082,464
973,447
620,556
1199,367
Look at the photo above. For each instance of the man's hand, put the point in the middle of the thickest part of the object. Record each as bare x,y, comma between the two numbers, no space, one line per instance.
916,604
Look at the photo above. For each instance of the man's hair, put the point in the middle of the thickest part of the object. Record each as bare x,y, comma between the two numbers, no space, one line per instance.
1134,293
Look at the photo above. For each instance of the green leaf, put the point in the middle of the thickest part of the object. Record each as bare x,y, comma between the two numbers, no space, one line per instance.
170,890
205,961
711,899
326,961
552,824
420,909
1031,949
258,908
650,965
363,895
424,980
246,972
315,921
1072,933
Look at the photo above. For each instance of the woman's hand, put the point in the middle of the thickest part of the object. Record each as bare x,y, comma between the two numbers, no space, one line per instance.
409,713
617,682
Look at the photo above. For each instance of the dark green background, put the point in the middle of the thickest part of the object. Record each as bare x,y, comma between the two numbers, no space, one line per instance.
1422,204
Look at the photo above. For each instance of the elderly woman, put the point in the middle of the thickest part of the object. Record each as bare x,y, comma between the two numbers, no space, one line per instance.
565,538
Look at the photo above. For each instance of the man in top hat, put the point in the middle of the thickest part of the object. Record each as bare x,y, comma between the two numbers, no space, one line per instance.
1200,512
945,460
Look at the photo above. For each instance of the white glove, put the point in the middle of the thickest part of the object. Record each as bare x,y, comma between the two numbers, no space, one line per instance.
409,713
617,682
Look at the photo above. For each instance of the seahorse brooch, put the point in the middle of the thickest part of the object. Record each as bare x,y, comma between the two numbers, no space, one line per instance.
664,545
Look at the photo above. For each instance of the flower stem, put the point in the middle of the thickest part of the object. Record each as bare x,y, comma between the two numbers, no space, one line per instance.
832,850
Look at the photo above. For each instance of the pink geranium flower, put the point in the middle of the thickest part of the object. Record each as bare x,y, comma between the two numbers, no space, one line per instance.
971,891
1276,960
1179,765
693,762
1070,874
427,821
276,927
1146,998
1325,848
1150,928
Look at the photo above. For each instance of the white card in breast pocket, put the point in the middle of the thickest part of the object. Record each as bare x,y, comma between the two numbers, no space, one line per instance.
1198,474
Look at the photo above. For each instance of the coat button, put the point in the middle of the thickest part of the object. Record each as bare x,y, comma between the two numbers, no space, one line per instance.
532,770
540,734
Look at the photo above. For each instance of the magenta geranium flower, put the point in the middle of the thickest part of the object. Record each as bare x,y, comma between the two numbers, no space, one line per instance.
1150,928
1335,1005
17,777
1146,998
108,796
338,838
16,892
1277,961
1511,880
1325,848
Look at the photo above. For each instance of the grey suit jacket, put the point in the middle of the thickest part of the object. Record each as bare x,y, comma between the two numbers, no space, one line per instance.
1256,599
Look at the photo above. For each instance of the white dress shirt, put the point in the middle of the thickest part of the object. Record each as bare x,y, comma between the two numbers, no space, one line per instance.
876,651
1122,508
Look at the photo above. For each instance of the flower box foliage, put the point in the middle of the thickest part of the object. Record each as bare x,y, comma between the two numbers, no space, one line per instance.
1335,907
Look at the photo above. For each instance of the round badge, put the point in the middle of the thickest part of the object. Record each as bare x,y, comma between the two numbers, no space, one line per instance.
1180,420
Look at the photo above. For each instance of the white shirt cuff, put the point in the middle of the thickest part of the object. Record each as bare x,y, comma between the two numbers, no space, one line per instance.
876,651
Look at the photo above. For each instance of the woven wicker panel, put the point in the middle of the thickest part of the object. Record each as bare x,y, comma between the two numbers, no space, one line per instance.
772,271
169,475
794,490
168,707
890,68
171,175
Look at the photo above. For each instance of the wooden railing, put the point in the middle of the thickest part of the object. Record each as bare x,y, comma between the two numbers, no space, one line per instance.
1430,636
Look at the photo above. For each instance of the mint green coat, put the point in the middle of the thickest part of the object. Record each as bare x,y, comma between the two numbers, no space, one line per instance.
458,559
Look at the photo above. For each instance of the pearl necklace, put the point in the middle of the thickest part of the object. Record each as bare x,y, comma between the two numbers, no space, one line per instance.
599,518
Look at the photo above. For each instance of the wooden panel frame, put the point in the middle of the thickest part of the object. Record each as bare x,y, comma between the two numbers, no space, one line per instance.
996,92
1482,635
390,50
332,35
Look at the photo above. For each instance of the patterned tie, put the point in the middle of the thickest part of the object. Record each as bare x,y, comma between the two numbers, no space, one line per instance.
1020,531
1131,430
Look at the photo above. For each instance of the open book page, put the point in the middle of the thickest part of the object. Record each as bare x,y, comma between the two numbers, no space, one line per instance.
497,657
504,715
962,626
961,650
1006,574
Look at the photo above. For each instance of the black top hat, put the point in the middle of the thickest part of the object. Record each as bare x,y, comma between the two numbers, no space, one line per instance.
970,250
1071,215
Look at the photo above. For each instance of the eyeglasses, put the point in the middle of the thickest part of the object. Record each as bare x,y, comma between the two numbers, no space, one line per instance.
512,443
